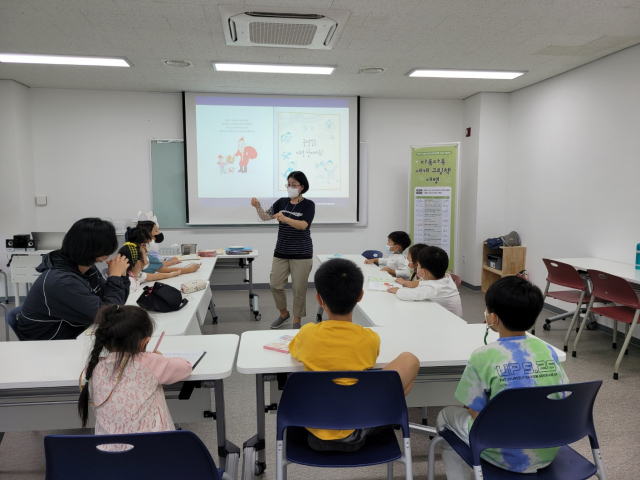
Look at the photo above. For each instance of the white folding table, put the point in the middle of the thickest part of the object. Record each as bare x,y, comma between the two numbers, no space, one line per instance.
443,349
383,309
39,386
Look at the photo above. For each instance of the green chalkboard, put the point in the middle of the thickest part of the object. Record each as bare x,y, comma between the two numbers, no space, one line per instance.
167,183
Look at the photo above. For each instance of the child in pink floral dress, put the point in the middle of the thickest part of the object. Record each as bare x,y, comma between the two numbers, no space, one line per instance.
123,381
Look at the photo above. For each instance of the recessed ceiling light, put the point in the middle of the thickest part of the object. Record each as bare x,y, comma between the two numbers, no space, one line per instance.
272,68
445,73
177,63
64,60
372,70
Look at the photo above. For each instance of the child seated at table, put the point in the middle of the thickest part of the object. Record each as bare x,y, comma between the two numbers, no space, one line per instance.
396,264
435,283
137,257
514,360
337,344
122,381
412,263
144,237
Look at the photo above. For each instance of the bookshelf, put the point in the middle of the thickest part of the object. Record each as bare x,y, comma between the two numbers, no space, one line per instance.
513,262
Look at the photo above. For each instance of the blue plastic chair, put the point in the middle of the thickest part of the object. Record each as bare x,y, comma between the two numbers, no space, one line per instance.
11,320
527,418
369,254
312,399
161,455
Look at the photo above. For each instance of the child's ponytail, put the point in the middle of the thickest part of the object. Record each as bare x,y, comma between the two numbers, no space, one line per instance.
120,329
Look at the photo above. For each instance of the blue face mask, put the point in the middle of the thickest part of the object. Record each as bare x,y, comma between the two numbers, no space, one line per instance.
389,249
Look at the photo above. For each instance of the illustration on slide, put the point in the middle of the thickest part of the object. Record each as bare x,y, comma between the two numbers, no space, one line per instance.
224,164
292,167
285,137
245,153
311,142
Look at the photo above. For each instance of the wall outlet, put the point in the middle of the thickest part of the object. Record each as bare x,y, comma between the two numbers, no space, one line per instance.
41,201
464,258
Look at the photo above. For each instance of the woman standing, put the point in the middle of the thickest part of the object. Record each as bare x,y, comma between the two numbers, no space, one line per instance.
294,249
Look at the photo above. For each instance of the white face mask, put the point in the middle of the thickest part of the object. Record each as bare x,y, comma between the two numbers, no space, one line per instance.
292,192
152,246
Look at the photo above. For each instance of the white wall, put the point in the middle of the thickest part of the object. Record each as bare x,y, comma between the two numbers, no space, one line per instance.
468,188
483,178
17,202
91,153
574,168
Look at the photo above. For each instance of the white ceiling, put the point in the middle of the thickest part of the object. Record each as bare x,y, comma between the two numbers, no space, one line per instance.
544,37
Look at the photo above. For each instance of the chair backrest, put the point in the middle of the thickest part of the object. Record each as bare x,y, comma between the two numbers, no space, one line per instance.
563,274
370,254
457,280
12,320
312,399
612,288
527,418
179,454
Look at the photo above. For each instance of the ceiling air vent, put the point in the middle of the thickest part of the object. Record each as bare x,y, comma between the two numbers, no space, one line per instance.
282,27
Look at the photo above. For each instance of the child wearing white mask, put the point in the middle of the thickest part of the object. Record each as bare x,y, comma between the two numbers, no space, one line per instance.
396,264
435,283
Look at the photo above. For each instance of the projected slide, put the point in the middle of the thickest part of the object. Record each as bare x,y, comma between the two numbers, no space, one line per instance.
246,146
249,151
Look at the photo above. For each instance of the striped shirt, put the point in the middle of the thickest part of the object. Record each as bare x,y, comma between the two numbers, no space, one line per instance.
293,243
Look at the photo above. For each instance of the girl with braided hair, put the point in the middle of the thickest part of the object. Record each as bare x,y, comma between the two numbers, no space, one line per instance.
122,381
137,256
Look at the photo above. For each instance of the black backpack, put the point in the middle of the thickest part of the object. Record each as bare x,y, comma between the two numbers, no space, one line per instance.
161,297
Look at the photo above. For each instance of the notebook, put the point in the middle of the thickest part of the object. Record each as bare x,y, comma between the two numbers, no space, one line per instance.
182,258
192,357
280,344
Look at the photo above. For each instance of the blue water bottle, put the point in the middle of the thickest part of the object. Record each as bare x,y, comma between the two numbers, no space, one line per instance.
638,257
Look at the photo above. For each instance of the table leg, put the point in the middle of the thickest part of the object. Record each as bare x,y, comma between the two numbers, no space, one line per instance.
253,450
6,287
212,307
253,297
228,453
16,294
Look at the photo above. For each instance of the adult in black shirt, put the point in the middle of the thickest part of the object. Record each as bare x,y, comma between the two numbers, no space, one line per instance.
293,254
70,290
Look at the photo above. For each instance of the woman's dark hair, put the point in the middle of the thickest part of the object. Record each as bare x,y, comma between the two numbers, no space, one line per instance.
139,235
400,238
415,250
517,302
121,330
133,253
89,239
339,282
435,260
146,224
302,180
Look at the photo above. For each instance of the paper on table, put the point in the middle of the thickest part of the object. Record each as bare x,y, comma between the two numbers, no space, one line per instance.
193,357
381,284
182,258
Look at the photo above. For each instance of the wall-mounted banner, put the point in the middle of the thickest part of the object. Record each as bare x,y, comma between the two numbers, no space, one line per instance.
432,196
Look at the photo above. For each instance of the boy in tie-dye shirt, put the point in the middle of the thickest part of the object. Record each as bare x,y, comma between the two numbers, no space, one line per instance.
515,360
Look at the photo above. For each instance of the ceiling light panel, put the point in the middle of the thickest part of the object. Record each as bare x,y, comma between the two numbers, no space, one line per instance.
64,60
273,68
438,73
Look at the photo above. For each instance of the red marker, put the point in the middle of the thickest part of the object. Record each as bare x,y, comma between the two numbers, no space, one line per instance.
158,344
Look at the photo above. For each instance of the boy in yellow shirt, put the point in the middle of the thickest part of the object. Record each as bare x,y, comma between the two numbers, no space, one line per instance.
337,344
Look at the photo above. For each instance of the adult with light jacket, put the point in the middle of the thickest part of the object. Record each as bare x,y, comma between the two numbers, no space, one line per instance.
293,254
65,298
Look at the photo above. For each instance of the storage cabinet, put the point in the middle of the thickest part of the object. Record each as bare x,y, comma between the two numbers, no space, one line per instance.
513,262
